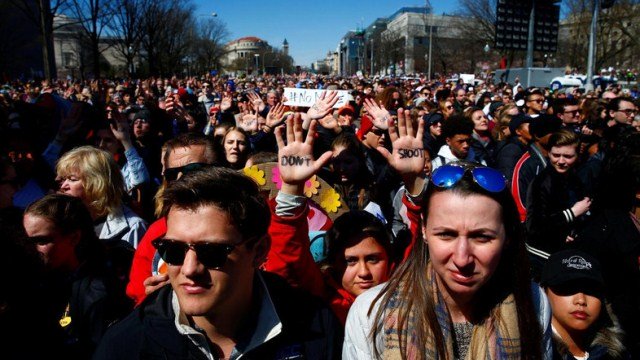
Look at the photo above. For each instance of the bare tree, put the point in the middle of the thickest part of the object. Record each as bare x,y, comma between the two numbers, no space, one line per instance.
127,27
617,42
168,27
208,46
94,17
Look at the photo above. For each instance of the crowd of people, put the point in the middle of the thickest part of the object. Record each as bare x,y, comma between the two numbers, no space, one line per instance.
463,221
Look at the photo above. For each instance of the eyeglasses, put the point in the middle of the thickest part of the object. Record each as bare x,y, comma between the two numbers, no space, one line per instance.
211,255
489,179
628,111
377,132
574,112
539,101
172,174
449,107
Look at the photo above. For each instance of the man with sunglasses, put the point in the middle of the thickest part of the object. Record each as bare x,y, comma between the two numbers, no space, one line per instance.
186,153
620,111
568,111
534,101
219,305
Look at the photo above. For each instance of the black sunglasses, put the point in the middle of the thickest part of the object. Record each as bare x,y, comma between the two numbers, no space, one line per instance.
172,174
211,255
377,132
41,240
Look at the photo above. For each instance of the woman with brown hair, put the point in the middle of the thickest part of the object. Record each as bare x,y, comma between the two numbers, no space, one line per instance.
463,291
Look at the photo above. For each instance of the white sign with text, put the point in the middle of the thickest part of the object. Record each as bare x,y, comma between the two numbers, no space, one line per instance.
308,97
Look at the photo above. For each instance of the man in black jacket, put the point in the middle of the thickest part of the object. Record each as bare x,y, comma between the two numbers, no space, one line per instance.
219,305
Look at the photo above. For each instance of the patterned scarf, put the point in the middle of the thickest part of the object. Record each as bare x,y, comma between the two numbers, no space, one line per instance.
495,337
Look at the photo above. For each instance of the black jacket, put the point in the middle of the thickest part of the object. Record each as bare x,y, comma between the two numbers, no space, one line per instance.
507,154
309,330
613,238
549,218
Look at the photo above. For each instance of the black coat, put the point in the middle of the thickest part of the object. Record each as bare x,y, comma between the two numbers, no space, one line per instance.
549,218
613,238
309,329
507,154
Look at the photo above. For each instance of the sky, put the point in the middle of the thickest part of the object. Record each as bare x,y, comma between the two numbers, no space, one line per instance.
311,27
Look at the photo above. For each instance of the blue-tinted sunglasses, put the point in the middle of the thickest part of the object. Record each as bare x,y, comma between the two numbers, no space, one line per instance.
489,179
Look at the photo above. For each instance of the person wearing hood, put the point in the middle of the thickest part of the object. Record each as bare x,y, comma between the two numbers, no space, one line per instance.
457,131
582,323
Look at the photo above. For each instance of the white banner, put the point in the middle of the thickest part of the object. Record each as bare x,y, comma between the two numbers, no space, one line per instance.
308,97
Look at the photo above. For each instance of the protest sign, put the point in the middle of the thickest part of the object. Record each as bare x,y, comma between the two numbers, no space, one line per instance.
308,97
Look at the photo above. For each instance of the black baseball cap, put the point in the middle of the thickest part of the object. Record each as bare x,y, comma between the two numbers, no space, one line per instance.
518,120
571,266
432,118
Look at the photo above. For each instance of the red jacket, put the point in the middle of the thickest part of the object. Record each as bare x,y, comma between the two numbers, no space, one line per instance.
290,257
415,219
142,265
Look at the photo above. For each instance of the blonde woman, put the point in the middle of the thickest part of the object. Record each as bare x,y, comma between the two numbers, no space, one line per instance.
93,176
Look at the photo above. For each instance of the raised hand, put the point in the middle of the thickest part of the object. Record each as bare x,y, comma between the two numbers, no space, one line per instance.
407,157
379,115
295,159
249,122
323,105
256,100
329,122
226,102
120,129
274,118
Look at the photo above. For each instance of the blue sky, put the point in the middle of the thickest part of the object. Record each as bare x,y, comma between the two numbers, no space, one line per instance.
311,27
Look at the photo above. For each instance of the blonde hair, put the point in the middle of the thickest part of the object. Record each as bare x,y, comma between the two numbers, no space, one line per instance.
101,178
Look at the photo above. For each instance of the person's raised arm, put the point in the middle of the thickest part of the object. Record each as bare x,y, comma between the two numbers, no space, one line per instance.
407,156
322,107
295,158
380,117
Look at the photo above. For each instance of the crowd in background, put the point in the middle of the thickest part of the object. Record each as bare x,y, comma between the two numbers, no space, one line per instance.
90,160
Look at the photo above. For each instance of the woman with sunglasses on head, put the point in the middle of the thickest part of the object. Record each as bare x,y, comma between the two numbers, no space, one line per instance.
558,204
462,292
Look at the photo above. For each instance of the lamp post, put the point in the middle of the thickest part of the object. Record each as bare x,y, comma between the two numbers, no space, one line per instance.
257,57
373,35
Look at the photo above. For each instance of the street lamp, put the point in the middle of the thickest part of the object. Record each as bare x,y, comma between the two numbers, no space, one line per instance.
257,56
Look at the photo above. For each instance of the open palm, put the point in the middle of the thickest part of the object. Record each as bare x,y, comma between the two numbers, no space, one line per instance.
295,159
407,156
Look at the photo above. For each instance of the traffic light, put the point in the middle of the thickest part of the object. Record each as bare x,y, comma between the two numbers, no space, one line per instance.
605,4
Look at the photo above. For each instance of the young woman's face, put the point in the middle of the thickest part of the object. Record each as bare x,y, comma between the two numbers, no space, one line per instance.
345,165
367,265
466,237
235,145
562,158
480,121
573,312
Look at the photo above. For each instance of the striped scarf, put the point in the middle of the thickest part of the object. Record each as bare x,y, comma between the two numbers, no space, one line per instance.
496,337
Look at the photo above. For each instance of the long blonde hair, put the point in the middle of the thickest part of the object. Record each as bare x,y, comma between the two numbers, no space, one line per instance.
101,178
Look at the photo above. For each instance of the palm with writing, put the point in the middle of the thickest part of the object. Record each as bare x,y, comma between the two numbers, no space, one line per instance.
275,116
407,157
249,122
225,104
323,105
256,101
379,115
295,159
329,122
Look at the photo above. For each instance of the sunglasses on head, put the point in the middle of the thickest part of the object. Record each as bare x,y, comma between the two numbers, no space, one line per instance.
211,255
449,175
172,174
